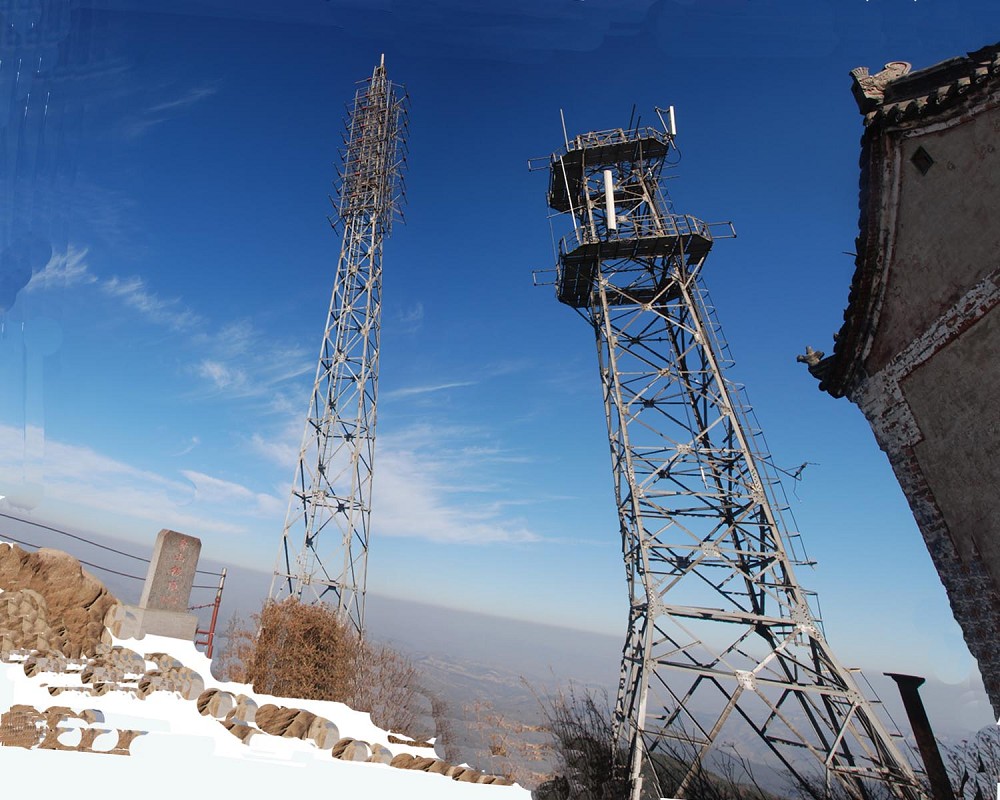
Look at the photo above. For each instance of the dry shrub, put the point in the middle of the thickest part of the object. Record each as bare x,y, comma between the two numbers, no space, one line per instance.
234,650
508,747
594,765
974,764
387,688
307,651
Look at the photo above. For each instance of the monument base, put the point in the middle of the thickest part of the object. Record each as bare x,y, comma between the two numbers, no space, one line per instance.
157,621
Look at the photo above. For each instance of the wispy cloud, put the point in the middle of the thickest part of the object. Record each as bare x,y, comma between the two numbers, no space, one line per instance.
64,270
244,363
84,481
219,492
71,269
279,450
133,293
409,391
410,319
427,485
235,357
222,376
195,441
410,502
167,109
187,99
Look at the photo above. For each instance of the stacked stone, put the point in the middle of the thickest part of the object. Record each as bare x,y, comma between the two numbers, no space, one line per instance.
27,727
28,635
170,675
114,668
122,623
24,624
453,771
75,601
297,724
241,717
51,661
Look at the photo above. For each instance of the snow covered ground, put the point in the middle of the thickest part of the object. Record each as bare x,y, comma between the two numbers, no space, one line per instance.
182,752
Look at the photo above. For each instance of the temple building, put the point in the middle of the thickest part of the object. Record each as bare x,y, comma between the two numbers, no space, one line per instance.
919,350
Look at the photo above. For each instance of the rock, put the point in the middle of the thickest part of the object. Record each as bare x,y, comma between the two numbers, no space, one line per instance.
75,601
380,754
341,746
215,703
323,733
402,761
24,622
246,710
238,729
349,749
22,726
121,622
280,721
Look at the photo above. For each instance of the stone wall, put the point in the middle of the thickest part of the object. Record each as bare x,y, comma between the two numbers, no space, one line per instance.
930,381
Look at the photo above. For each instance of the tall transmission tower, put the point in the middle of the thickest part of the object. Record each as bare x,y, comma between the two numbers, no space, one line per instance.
324,545
722,642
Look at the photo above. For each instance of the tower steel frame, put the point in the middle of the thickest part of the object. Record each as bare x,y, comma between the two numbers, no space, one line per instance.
324,543
719,629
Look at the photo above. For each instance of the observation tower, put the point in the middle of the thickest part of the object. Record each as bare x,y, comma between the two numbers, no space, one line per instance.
324,544
722,642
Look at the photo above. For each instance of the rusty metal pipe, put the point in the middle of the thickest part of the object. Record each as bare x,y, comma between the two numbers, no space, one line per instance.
921,726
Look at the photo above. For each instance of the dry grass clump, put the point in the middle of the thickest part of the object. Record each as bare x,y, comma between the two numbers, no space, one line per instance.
292,649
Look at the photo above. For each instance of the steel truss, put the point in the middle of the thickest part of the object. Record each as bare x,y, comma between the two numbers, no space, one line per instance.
719,633
324,548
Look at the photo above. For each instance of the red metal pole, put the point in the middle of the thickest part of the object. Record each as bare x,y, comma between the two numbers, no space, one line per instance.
215,613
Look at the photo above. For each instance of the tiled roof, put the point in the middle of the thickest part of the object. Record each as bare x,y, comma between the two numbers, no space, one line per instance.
895,94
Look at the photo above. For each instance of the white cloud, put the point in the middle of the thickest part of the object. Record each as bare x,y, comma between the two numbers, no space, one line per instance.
195,441
63,271
167,109
71,269
217,491
83,483
412,318
235,358
426,485
283,451
189,98
133,292
409,391
244,363
408,501
221,375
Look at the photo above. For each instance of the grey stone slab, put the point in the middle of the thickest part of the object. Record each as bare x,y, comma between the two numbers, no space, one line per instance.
171,572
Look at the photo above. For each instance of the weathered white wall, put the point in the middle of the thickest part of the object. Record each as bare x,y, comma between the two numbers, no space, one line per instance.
931,389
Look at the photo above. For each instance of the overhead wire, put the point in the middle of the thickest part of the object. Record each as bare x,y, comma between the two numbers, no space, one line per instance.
90,542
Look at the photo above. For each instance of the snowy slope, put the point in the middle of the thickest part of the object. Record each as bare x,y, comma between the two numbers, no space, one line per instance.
182,751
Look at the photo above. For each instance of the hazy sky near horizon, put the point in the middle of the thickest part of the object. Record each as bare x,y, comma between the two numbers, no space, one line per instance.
166,168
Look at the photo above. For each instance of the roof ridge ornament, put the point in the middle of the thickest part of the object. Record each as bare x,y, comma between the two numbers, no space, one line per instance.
869,89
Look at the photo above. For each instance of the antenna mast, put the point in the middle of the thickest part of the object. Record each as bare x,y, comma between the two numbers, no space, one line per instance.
722,641
324,544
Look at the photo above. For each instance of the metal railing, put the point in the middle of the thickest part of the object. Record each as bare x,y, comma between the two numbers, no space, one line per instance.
208,632
646,226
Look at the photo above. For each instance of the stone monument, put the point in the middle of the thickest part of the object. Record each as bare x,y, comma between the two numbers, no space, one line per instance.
163,608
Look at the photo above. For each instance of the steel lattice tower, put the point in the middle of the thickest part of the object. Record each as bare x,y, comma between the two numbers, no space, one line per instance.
324,547
720,633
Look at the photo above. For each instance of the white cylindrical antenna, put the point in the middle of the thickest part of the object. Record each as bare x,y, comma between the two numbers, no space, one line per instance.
609,200
673,121
565,135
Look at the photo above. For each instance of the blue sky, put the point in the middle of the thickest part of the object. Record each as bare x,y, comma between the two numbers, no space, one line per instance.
170,196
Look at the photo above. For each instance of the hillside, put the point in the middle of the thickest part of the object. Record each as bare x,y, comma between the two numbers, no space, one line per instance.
146,713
